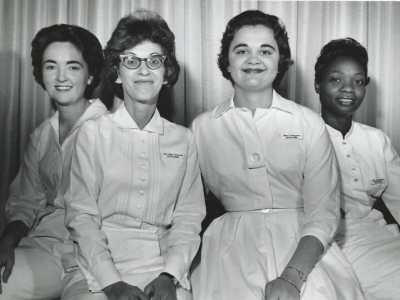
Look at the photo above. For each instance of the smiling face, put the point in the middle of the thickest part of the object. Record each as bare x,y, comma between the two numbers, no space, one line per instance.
342,88
65,73
142,84
253,58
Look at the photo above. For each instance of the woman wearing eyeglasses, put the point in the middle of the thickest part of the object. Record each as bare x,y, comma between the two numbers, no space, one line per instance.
136,201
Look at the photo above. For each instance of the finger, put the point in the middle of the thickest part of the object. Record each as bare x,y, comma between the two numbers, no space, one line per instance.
7,271
149,290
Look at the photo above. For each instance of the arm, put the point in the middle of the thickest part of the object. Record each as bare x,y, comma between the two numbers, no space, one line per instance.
183,237
321,209
83,217
391,195
27,199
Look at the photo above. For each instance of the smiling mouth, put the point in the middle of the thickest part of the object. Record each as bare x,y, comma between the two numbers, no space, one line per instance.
346,101
143,81
253,71
62,88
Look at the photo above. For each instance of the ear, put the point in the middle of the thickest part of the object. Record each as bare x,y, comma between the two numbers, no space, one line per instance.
165,81
228,69
367,81
90,80
316,86
118,80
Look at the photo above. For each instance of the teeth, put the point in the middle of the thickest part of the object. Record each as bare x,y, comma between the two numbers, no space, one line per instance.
346,101
63,87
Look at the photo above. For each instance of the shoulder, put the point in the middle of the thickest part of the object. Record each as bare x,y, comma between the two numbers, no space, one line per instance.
175,129
371,132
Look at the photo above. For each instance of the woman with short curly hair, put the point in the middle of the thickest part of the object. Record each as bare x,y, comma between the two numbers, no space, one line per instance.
67,61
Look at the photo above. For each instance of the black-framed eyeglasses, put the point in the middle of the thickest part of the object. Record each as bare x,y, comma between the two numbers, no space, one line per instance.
133,62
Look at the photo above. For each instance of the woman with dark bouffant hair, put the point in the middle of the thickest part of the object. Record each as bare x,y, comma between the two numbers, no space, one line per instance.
137,200
35,251
270,163
369,168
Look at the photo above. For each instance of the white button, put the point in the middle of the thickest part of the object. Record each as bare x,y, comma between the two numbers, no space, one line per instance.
141,192
143,154
348,155
255,157
344,143
143,166
142,141
356,180
138,206
137,220
354,169
142,178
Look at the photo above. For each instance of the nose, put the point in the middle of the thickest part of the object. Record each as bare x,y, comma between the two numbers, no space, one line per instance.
347,86
144,69
253,59
61,75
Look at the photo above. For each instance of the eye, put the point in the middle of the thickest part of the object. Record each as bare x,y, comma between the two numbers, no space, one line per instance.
241,52
359,81
49,67
335,79
74,68
266,52
130,60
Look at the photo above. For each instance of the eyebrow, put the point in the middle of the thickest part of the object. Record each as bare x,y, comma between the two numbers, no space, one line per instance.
70,62
262,46
340,72
134,54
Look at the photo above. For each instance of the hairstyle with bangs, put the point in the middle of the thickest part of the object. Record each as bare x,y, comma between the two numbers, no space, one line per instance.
132,30
346,47
254,18
85,41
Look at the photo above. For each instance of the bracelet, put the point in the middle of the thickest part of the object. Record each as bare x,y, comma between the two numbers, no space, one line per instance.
288,281
302,276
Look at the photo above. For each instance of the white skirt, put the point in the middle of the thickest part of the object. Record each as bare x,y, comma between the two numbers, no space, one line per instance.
243,251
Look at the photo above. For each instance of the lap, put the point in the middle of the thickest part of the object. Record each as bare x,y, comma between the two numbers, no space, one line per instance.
37,272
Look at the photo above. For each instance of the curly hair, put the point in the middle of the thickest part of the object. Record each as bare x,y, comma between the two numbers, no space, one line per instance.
85,41
254,18
346,47
132,30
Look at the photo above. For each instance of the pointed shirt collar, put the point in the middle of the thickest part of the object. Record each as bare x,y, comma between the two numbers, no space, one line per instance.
123,119
278,102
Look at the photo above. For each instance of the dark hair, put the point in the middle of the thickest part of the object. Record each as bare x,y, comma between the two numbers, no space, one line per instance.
134,29
254,18
85,41
346,47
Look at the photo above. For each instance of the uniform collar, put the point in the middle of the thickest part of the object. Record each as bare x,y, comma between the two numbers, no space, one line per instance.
278,102
123,119
95,109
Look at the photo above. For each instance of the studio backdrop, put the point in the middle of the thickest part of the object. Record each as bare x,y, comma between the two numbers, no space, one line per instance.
198,26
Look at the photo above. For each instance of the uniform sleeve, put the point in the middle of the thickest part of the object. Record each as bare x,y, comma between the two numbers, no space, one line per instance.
391,195
321,192
27,192
83,218
183,237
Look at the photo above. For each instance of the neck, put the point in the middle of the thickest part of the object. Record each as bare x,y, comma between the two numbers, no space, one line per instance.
253,100
340,123
141,113
68,116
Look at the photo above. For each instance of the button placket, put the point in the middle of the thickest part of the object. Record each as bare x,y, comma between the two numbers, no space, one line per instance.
143,171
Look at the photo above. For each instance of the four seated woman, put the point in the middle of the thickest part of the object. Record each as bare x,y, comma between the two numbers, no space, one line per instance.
135,203
369,169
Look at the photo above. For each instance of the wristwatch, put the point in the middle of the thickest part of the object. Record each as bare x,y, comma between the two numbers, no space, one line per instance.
172,277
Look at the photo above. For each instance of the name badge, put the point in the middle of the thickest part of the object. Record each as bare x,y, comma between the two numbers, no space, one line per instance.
377,181
172,155
291,136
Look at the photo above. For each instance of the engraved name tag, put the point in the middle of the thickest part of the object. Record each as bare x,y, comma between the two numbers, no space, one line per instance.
377,181
172,155
291,136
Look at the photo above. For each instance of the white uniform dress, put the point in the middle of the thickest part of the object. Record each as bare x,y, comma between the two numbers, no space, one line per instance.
136,201
37,199
276,175
369,168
